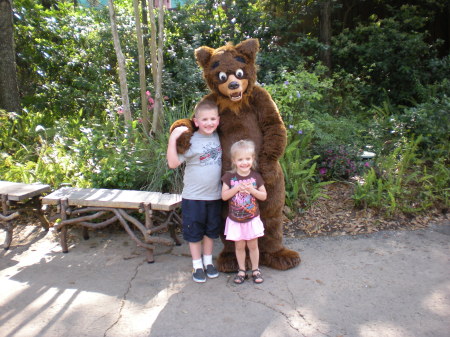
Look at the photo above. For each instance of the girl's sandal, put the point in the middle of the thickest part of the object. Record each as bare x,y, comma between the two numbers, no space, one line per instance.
239,279
257,277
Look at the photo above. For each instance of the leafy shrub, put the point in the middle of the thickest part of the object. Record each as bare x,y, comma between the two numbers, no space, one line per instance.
300,93
338,162
302,185
431,120
65,58
389,56
331,130
403,183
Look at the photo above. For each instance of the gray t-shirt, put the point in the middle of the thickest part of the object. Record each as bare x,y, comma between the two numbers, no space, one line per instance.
203,168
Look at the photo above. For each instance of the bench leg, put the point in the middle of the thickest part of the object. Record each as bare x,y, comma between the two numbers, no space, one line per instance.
8,226
9,235
85,233
36,202
63,239
150,258
172,224
63,232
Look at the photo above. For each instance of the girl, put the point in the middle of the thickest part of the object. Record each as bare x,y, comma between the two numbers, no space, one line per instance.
242,186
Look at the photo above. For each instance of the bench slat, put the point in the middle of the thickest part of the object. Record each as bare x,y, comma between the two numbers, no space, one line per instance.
19,191
91,197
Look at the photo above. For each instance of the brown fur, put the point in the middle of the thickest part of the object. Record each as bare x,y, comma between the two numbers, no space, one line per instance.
254,116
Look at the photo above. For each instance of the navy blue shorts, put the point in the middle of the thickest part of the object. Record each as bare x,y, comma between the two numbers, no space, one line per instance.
200,218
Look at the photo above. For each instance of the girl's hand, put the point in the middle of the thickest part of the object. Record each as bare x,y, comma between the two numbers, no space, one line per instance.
247,187
259,193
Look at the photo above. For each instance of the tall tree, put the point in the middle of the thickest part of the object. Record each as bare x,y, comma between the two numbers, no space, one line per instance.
325,32
156,54
145,24
9,91
141,58
121,64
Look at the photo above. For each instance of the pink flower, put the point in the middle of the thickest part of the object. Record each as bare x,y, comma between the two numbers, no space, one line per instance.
120,111
151,103
166,98
148,93
322,171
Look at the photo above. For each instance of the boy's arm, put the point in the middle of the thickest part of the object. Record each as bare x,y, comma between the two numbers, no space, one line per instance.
172,155
184,141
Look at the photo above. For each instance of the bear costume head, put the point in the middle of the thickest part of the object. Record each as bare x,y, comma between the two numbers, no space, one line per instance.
230,70
247,111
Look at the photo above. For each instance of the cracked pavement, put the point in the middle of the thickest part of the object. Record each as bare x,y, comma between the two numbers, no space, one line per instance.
393,283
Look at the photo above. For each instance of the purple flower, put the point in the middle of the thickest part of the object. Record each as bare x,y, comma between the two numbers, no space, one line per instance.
286,82
291,126
367,164
322,171
298,94
300,132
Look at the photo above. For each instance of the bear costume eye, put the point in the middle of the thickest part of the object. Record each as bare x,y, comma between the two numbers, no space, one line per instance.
222,76
239,73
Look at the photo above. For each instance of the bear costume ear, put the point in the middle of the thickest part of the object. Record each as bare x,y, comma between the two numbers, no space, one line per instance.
249,48
203,55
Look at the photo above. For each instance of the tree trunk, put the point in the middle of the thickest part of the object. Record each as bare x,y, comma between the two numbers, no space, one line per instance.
158,87
142,81
145,24
157,64
121,64
325,32
9,91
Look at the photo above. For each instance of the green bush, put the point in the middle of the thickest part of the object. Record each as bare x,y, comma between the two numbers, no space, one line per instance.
300,93
388,55
431,120
332,130
402,182
65,58
338,162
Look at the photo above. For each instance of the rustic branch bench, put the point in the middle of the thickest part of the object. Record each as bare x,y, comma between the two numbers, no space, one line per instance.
77,206
17,198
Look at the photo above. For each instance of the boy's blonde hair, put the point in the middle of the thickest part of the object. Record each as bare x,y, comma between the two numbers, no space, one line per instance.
244,145
206,104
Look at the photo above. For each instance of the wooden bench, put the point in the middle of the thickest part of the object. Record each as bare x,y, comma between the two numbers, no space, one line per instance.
17,198
77,206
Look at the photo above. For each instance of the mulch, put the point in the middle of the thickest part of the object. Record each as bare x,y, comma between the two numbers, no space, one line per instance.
337,215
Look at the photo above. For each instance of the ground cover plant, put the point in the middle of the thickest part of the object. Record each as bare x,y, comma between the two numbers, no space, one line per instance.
387,92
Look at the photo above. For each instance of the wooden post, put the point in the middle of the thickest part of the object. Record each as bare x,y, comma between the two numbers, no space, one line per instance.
36,202
148,216
63,233
8,226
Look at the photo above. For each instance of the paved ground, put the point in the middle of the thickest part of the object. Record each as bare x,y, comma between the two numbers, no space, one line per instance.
385,284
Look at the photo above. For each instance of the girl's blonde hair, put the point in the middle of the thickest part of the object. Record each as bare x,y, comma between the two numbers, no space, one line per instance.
245,145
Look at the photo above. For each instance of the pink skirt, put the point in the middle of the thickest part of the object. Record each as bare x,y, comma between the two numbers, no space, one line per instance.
238,231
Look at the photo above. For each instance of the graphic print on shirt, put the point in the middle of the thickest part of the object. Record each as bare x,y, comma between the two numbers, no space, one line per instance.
243,205
211,154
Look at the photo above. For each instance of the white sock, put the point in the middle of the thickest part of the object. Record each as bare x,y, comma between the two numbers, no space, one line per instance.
197,264
207,259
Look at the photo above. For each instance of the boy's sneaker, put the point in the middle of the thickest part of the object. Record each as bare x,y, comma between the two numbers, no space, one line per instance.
211,271
198,275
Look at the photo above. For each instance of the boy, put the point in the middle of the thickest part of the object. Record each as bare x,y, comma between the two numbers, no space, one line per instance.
201,196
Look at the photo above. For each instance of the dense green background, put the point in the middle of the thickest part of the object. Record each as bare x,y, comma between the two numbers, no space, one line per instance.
388,92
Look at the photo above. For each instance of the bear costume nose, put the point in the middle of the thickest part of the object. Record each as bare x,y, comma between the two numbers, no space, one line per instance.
233,85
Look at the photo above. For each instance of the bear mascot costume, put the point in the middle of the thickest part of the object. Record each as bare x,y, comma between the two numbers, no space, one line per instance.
247,111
